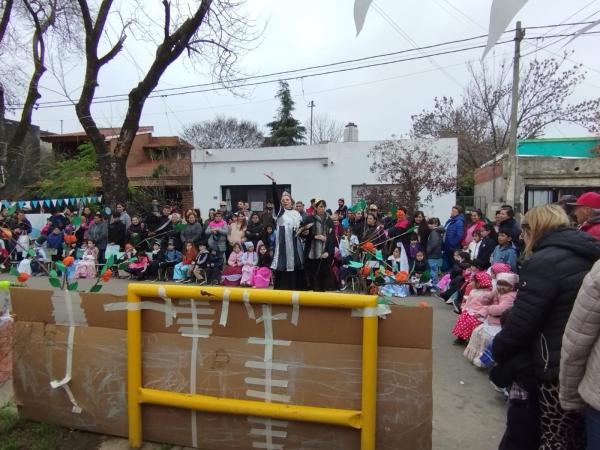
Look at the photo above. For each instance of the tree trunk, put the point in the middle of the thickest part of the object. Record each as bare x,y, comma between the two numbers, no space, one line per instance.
114,180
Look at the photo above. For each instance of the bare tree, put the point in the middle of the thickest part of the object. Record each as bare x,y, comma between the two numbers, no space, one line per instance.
415,171
325,129
42,16
211,31
7,6
480,119
224,132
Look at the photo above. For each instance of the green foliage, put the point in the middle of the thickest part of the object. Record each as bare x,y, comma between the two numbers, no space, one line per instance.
96,288
73,286
159,171
285,129
13,271
72,176
54,282
31,436
8,419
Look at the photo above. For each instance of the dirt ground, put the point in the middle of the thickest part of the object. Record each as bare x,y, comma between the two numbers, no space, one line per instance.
468,414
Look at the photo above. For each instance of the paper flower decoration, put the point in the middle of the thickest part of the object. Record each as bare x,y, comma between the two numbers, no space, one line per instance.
402,277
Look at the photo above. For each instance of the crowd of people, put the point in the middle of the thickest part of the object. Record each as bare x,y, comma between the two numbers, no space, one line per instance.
516,287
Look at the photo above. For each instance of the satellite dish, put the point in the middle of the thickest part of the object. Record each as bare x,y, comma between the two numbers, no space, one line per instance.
107,211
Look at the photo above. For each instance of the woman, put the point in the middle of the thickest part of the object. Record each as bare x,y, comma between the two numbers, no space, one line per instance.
193,229
557,260
136,233
580,357
422,229
216,234
319,248
373,231
476,223
288,255
237,230
255,229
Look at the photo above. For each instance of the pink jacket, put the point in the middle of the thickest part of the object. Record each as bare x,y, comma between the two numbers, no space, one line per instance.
500,304
477,301
235,259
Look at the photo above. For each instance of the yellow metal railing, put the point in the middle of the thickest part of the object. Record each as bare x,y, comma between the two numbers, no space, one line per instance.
364,419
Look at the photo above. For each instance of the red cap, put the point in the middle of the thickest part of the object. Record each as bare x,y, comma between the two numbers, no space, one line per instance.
589,199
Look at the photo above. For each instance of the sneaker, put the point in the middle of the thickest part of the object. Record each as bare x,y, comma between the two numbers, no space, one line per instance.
456,306
459,341
449,301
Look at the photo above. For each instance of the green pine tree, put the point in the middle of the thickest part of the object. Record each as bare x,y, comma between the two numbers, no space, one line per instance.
285,130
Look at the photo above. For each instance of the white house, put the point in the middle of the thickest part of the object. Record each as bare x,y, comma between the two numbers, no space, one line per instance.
329,171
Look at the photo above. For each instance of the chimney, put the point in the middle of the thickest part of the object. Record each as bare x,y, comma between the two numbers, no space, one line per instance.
351,132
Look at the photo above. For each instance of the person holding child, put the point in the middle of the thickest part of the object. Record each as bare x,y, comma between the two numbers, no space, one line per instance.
474,309
86,268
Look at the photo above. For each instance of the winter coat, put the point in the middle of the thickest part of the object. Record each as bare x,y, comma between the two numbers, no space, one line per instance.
455,229
476,303
236,234
423,232
98,232
55,240
592,226
254,231
235,259
59,221
192,232
471,228
505,254
435,243
515,230
549,281
580,355
173,256
501,303
486,248
136,233
217,241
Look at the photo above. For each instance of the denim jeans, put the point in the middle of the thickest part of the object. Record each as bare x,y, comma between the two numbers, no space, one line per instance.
434,266
592,425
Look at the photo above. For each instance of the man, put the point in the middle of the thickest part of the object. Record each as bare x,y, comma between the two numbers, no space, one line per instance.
455,230
587,212
123,215
310,211
342,210
98,232
373,209
267,216
300,209
506,215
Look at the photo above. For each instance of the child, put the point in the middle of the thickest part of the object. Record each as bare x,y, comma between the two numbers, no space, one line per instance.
262,275
138,268
55,244
23,243
214,266
419,274
474,245
156,256
181,273
269,238
41,257
249,262
172,256
399,263
502,300
474,308
462,262
414,247
505,251
488,243
201,264
398,260
86,268
232,274
348,244
435,244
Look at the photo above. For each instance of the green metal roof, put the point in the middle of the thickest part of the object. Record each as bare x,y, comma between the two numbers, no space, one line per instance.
558,148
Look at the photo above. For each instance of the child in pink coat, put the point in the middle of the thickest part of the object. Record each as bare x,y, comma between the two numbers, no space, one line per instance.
474,307
503,298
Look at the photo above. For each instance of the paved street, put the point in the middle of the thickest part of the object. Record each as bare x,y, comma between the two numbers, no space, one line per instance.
468,414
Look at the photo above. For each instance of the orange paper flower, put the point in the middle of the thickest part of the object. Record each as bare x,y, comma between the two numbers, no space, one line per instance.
400,215
106,275
69,260
365,271
23,277
402,277
368,247
70,239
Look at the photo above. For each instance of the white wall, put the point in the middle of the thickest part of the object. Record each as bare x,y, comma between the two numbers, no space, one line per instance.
326,171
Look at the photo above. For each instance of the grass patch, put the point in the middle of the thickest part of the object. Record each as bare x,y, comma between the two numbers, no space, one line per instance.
19,435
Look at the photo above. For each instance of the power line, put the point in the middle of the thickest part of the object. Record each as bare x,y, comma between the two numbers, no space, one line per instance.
216,87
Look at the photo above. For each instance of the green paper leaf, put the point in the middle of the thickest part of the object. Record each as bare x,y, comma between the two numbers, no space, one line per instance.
14,271
132,260
122,266
73,286
55,282
60,266
53,274
393,211
31,252
111,261
76,221
104,269
379,255
11,211
96,288
180,226
355,264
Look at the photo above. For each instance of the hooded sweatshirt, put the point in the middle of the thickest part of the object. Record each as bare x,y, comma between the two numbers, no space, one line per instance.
435,242
592,225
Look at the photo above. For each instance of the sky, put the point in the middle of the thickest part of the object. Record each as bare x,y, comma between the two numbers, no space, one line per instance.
380,100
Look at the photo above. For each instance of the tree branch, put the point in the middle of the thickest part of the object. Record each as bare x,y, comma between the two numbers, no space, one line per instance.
5,18
167,6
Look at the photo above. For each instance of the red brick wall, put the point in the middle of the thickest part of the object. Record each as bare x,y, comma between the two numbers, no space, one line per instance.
485,174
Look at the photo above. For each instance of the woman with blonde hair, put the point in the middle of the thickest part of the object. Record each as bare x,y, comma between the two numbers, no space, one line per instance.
527,349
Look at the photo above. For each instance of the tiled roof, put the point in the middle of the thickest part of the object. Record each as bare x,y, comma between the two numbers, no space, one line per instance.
168,141
106,132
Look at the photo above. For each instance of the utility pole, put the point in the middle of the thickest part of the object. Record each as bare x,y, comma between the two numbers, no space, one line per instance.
311,105
513,187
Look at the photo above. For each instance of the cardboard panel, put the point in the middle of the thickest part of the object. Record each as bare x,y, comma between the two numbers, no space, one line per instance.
318,374
407,326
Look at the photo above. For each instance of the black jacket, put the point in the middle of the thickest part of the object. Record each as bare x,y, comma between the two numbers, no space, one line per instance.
486,248
549,282
254,232
435,243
